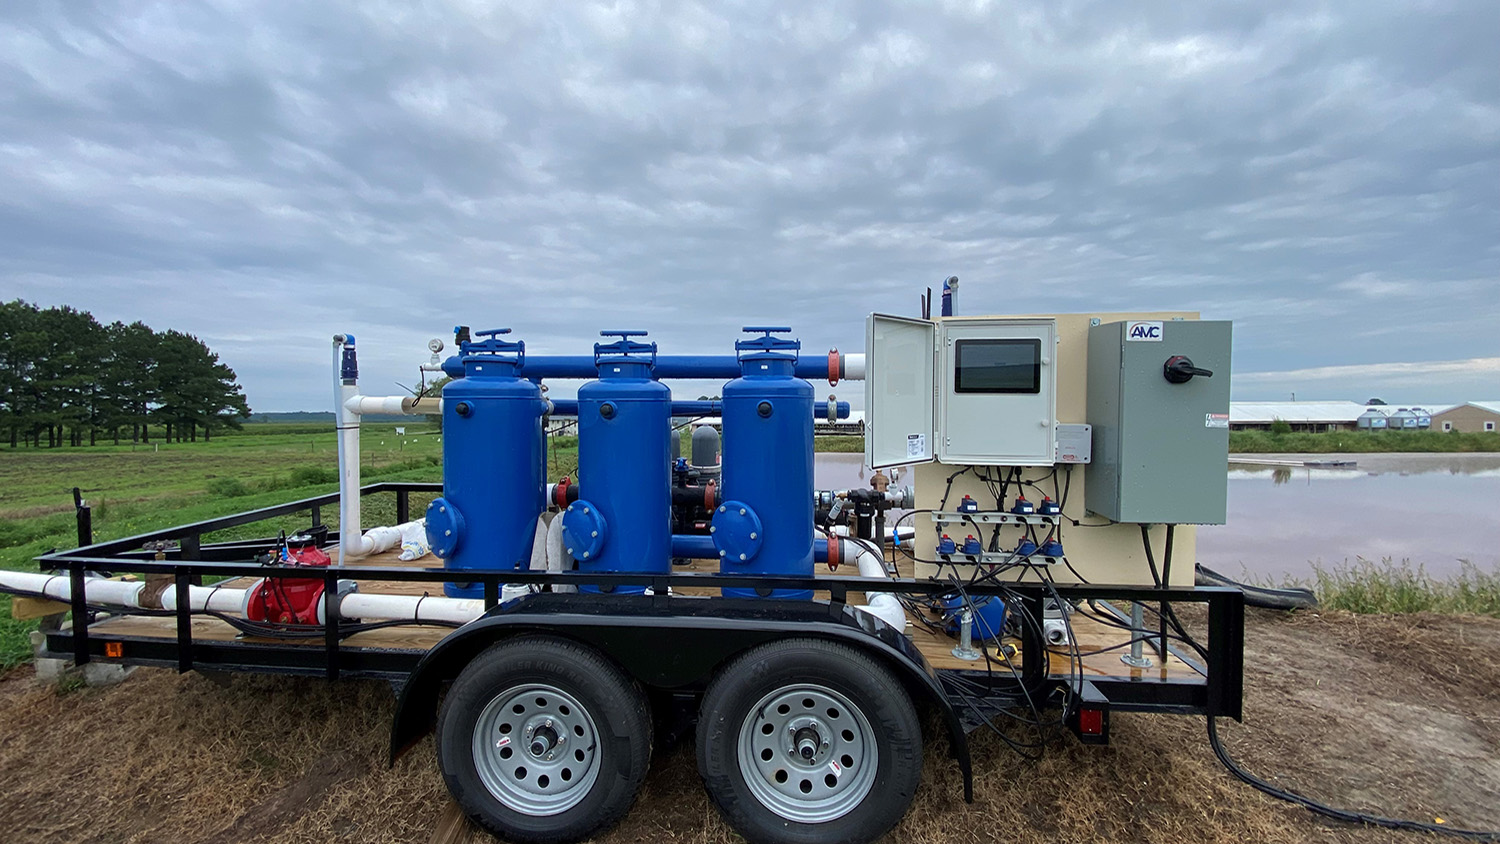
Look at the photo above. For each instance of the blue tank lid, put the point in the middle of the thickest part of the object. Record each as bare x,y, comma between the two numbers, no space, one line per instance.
492,356
628,358
767,355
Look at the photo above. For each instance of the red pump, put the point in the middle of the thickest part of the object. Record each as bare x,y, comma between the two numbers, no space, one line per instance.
290,600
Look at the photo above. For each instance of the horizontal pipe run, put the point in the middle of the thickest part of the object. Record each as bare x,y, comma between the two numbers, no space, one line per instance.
689,546
569,407
708,367
394,405
128,595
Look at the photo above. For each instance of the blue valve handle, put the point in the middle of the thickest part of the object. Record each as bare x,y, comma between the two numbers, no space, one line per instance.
492,347
624,350
766,347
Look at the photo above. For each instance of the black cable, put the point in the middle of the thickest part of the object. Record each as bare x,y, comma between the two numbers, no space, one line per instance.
949,488
1167,614
1314,806
1327,811
1166,582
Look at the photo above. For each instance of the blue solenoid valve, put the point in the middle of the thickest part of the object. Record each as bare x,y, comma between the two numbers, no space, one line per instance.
946,545
971,546
968,505
1022,507
1026,548
989,615
1048,507
1052,548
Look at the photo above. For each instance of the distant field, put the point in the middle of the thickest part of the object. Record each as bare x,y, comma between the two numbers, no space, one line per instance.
1361,442
38,481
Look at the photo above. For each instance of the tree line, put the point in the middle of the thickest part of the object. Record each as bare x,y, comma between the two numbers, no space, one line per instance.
65,378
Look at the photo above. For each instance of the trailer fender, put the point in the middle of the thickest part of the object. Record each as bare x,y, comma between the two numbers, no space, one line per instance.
672,644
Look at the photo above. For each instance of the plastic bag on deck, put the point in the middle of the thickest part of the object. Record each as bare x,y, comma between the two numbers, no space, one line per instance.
414,540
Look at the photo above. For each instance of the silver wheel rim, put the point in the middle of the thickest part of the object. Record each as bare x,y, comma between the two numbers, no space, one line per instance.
536,749
807,753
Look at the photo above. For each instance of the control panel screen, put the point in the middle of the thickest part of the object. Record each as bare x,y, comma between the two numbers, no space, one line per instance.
997,366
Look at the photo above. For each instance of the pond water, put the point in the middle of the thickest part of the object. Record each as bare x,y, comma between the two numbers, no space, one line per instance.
1432,510
847,471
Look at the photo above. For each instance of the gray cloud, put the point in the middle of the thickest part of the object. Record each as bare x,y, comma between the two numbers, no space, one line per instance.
265,174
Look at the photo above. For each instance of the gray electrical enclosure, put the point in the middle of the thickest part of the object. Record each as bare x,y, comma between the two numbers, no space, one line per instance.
1161,423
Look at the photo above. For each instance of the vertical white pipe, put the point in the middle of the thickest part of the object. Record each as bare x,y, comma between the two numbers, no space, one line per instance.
351,541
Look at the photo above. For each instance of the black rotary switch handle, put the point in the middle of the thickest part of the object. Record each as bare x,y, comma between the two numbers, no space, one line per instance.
1179,369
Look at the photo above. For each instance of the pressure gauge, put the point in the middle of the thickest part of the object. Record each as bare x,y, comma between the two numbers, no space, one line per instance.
434,345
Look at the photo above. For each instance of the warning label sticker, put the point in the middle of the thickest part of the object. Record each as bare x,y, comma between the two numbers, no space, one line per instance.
916,445
1216,420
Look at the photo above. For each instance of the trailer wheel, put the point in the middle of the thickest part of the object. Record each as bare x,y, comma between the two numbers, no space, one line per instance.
806,741
544,740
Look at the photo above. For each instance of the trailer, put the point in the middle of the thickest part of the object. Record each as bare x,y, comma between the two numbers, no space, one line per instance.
814,641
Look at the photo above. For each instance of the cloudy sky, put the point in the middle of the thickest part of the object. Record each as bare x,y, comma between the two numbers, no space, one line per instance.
264,174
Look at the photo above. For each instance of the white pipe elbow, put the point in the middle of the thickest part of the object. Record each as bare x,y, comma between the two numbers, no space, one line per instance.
881,605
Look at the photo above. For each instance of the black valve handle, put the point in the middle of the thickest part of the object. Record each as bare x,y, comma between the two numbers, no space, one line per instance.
1179,369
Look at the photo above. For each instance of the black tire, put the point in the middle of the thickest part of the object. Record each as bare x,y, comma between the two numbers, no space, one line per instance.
742,702
613,743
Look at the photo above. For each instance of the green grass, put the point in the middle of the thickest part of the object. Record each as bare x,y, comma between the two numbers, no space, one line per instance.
1387,587
37,481
1360,442
141,488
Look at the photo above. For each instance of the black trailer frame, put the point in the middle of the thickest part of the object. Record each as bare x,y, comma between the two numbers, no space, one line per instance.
633,630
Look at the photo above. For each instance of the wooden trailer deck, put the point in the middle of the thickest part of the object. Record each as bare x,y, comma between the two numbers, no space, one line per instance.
1091,635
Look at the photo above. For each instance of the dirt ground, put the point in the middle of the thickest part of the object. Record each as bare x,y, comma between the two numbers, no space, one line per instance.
1395,714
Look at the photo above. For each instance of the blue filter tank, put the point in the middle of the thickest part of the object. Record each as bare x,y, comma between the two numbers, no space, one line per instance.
765,524
622,521
493,486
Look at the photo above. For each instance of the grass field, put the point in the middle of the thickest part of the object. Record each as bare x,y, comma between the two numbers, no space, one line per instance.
1389,587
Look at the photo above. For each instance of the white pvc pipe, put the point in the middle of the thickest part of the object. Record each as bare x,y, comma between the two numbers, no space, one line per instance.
854,367
382,539
351,543
410,607
122,593
539,545
882,605
393,405
201,598
126,594
375,404
557,556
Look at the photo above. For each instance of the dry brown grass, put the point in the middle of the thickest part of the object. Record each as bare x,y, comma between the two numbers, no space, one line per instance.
1400,714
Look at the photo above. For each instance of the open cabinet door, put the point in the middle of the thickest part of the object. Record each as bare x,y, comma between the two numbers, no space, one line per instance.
899,394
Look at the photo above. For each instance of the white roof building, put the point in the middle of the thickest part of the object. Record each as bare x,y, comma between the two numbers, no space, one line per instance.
1255,413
